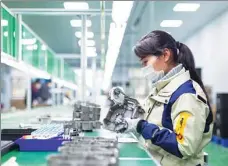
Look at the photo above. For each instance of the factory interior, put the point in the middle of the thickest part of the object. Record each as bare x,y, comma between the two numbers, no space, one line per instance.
73,91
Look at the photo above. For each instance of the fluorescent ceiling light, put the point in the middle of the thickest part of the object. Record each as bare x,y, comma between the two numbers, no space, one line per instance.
121,11
43,47
28,41
91,52
91,49
76,5
78,23
88,34
4,23
89,43
32,47
35,46
186,7
171,23
23,34
115,39
5,34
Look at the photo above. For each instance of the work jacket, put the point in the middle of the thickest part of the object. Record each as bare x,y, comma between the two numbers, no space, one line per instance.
178,122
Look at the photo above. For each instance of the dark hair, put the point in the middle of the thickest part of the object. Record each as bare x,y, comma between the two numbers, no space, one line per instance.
156,41
37,80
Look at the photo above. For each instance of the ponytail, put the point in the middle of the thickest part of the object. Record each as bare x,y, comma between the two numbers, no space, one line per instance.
185,57
156,41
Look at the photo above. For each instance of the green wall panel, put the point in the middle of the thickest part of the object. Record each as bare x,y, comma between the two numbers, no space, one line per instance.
50,62
33,50
42,59
29,47
8,30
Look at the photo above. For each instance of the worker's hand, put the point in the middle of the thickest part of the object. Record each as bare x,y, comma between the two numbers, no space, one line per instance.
126,125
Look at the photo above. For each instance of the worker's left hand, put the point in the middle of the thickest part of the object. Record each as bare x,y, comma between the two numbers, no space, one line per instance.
129,124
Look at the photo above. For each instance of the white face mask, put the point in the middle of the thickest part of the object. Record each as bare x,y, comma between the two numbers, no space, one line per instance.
152,75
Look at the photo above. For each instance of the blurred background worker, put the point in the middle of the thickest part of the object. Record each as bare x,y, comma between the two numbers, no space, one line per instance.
35,92
178,120
45,93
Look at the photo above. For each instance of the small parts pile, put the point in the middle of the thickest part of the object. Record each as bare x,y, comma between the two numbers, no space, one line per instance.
86,151
86,117
48,131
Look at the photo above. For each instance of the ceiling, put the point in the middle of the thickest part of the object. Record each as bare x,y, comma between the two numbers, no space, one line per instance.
146,16
57,32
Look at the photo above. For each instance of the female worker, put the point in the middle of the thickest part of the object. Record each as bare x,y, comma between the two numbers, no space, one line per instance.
178,120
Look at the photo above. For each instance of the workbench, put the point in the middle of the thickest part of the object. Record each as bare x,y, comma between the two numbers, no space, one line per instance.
132,154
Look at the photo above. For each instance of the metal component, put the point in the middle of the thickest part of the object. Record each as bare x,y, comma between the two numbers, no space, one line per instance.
82,151
117,95
57,11
87,160
86,117
121,107
45,119
86,151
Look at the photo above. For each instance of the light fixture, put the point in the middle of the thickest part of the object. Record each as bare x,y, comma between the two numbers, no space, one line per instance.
31,47
171,23
4,23
121,11
35,47
28,41
115,39
89,43
5,34
76,5
91,52
88,34
186,7
91,49
43,47
78,23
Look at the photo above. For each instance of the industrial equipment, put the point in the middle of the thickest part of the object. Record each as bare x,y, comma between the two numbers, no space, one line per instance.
86,117
122,106
86,151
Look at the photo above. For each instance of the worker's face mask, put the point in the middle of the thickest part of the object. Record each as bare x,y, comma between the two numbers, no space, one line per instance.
152,75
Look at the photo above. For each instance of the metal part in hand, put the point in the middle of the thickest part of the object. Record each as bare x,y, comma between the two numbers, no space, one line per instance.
122,107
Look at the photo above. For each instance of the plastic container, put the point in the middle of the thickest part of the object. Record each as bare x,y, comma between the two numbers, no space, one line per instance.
14,134
40,144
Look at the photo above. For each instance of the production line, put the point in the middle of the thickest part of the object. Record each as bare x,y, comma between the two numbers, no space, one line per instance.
80,139
114,83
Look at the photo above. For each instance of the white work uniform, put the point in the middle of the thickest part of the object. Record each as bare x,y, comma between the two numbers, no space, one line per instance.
177,138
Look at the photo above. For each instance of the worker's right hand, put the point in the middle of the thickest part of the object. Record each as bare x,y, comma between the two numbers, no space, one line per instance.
126,125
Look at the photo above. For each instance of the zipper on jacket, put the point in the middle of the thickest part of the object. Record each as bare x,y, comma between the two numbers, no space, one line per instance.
150,110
